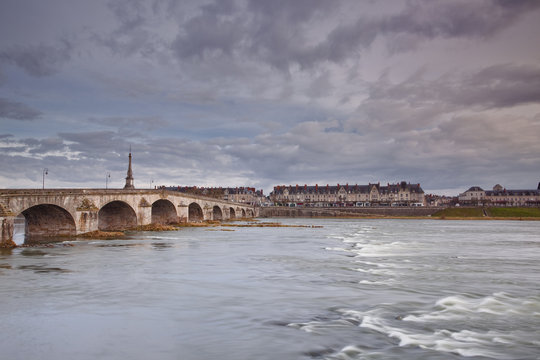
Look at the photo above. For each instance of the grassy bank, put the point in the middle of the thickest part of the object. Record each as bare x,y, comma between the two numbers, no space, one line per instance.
491,213
459,213
514,212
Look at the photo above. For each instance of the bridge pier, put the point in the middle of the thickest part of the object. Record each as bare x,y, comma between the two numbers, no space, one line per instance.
183,213
87,221
7,224
144,215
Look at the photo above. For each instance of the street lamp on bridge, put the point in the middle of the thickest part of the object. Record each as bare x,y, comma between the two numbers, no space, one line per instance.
107,177
45,172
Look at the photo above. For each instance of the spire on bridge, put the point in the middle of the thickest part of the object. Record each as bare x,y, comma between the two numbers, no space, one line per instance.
129,177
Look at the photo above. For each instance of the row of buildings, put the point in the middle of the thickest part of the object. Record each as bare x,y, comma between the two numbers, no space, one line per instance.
500,196
401,194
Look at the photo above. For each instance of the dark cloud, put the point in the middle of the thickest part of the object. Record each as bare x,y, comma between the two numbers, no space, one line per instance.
17,111
502,85
279,32
133,33
37,60
210,32
460,18
497,86
421,20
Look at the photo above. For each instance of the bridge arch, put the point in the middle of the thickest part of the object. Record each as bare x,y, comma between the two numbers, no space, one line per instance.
232,213
164,212
250,213
195,212
217,214
47,220
116,215
243,213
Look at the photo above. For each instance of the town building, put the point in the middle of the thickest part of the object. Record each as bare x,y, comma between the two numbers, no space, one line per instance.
500,196
434,200
401,194
245,195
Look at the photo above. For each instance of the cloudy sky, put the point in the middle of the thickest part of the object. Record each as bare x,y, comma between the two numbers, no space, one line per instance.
445,93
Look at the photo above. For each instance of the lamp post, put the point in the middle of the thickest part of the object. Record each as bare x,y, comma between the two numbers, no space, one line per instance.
151,182
107,177
45,172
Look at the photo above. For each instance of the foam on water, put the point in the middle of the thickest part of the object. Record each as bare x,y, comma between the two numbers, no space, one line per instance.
375,282
441,330
376,271
320,327
459,306
465,342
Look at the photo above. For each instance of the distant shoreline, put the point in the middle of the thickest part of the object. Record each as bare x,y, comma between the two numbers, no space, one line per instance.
434,213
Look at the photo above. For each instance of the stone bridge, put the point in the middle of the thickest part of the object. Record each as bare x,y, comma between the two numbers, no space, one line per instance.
68,212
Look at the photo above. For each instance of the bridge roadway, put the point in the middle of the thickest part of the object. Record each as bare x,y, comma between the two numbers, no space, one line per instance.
68,212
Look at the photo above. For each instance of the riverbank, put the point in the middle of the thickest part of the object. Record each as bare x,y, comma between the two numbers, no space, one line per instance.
455,213
348,212
489,213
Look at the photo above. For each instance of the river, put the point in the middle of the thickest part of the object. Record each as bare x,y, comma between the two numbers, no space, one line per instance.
351,289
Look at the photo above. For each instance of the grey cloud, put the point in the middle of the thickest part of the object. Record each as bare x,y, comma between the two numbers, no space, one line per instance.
275,32
266,30
284,11
425,20
96,144
38,60
212,30
130,13
497,86
17,111
503,85
457,19
130,123
133,33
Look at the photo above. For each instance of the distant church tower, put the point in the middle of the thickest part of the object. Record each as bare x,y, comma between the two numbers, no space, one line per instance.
129,177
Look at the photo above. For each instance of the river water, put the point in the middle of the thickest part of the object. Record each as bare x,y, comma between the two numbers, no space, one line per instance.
353,289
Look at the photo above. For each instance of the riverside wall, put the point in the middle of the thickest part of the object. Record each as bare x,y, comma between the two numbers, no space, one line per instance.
282,211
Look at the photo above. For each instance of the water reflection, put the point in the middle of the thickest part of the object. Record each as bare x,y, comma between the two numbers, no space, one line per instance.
162,246
19,229
43,269
119,245
33,252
